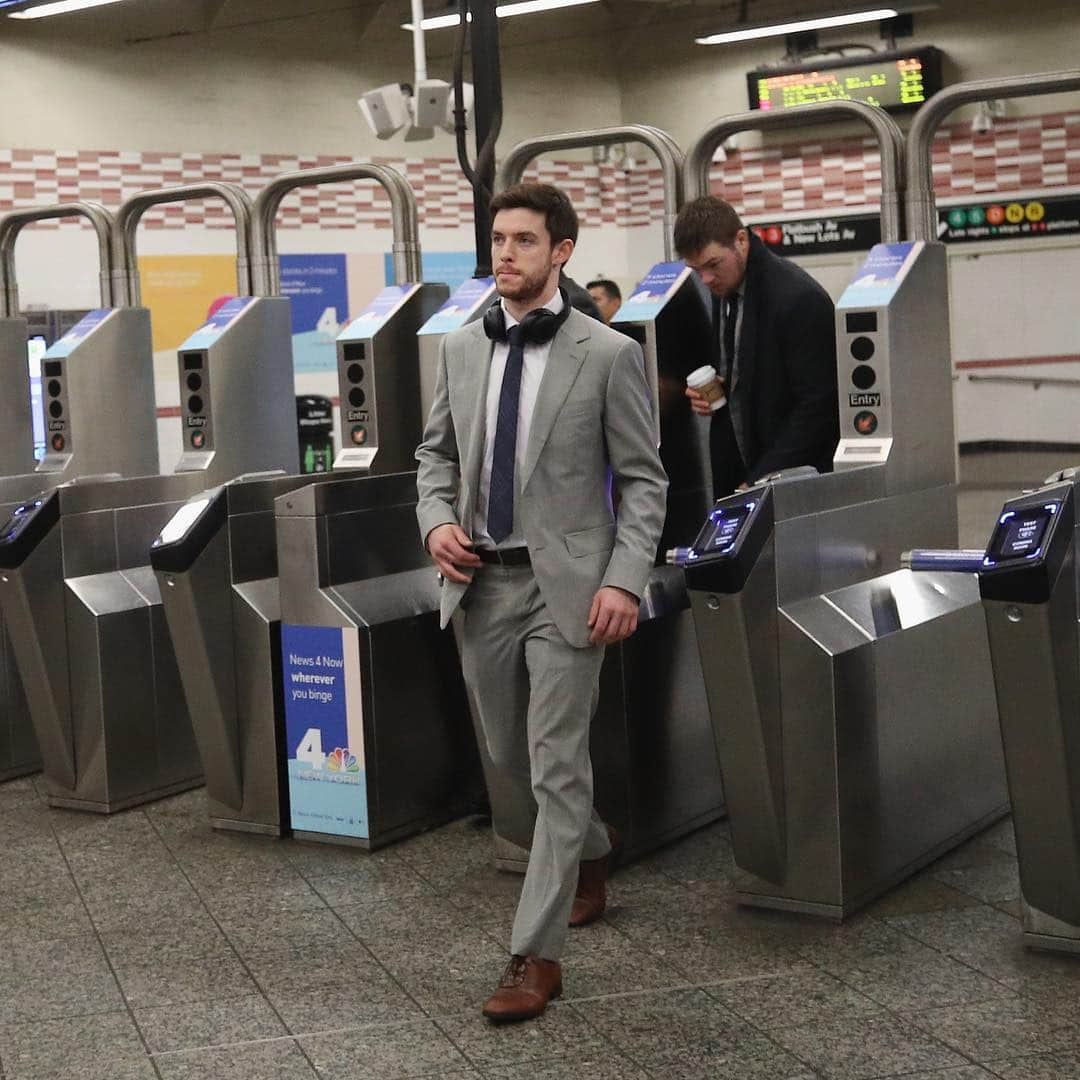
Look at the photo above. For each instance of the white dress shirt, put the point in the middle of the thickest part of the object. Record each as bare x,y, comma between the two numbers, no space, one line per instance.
532,371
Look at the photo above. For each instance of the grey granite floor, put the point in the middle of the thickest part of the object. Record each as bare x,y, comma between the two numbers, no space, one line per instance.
144,945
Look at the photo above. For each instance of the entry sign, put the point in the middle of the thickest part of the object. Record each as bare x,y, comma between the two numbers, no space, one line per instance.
324,730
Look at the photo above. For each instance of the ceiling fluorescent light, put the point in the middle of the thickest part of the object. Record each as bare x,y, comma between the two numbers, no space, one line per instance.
503,11
798,26
58,7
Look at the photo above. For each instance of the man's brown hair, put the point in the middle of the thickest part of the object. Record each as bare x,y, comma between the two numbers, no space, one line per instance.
705,221
559,215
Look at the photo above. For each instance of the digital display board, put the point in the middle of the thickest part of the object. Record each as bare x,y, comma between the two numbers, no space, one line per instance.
1019,535
893,80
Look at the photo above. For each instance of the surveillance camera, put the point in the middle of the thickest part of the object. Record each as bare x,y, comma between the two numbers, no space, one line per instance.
386,109
468,96
982,123
430,102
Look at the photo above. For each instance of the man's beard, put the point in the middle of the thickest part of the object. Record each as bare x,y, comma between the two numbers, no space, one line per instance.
525,288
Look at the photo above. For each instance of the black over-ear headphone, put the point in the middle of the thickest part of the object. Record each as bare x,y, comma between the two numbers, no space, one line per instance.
538,327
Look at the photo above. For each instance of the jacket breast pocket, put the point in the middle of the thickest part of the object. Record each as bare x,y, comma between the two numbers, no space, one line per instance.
590,541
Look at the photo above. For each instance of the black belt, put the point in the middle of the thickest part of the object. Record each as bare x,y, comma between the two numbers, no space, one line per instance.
516,556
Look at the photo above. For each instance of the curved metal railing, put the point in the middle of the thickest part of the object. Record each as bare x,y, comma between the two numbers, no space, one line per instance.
889,137
403,216
126,287
670,155
12,224
921,207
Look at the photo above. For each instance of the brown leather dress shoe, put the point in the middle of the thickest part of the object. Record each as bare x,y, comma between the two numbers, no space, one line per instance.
590,900
527,985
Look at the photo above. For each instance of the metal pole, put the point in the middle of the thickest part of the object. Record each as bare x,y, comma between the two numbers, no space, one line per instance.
13,224
487,87
672,162
921,206
889,138
403,218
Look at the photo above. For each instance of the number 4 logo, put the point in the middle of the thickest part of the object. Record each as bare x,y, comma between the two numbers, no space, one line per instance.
310,749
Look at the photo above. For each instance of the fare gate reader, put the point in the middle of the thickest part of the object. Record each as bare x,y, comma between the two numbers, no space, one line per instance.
853,711
92,644
98,400
217,565
655,773
377,352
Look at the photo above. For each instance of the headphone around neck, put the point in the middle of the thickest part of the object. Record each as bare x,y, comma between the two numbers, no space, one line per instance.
538,327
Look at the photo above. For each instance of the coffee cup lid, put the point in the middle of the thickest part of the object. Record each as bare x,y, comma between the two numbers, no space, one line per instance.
701,375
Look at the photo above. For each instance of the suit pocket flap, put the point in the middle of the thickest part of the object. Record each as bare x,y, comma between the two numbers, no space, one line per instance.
590,541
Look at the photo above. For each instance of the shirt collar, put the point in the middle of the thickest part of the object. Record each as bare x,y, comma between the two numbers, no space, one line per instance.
554,305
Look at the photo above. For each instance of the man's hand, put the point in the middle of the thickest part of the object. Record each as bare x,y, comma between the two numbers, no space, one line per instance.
613,615
698,402
450,547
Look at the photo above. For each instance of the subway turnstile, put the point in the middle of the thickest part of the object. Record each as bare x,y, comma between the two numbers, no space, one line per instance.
97,389
91,642
378,735
853,707
216,567
79,586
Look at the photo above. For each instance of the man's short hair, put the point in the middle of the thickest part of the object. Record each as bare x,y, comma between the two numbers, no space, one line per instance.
608,286
559,215
704,221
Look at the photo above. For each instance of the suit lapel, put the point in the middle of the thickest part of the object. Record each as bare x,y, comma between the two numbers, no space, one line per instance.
568,352
476,363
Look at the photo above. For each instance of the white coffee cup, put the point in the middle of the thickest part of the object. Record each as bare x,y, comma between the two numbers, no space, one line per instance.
707,383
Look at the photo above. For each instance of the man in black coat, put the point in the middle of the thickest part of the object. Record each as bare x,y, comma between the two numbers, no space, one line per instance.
776,350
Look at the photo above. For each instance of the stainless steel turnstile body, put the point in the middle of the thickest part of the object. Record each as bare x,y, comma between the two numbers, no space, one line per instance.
216,567
349,559
16,419
852,701
1029,585
92,645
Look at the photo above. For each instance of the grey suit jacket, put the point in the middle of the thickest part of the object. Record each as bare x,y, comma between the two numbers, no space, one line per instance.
592,413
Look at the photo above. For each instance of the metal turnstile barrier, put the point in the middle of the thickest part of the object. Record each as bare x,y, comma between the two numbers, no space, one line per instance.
92,647
378,735
1028,580
216,568
852,702
98,402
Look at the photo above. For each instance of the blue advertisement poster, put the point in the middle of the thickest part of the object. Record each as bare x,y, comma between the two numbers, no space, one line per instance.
880,275
212,329
656,288
318,289
89,322
324,730
461,305
371,319
449,267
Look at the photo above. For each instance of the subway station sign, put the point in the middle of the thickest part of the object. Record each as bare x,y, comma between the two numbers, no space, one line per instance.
820,236
1009,219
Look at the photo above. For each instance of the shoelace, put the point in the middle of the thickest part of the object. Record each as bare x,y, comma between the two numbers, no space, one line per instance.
515,971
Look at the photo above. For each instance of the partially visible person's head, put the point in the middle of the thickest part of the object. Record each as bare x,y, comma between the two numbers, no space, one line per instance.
712,240
533,232
606,296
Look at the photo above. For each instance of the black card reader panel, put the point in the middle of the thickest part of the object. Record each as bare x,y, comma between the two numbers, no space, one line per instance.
728,546
28,525
1030,541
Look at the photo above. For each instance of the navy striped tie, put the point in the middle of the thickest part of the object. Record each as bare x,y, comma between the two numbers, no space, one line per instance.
500,516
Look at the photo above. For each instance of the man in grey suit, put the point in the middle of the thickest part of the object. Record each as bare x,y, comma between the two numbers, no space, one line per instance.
536,408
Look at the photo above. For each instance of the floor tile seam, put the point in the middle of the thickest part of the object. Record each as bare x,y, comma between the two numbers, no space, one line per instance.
290,1037
905,1021
108,961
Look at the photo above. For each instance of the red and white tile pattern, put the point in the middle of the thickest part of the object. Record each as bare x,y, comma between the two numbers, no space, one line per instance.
1018,154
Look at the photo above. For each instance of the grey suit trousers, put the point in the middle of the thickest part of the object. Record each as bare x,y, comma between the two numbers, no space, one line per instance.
536,695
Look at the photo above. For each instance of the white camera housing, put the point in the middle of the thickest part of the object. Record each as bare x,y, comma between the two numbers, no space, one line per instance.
430,101
386,109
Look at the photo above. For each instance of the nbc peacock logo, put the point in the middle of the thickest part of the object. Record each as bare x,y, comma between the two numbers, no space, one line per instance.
342,761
